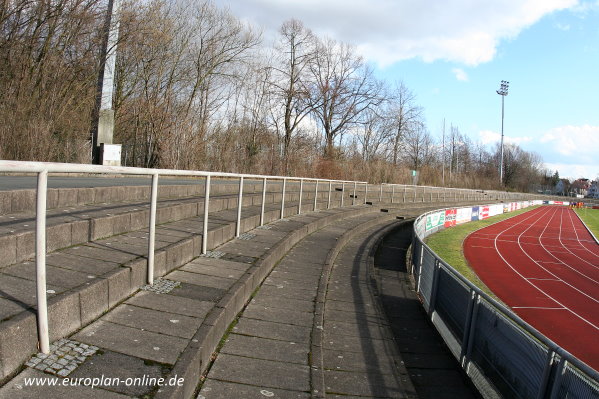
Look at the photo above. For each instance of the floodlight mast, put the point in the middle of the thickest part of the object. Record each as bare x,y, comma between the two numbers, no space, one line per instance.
503,89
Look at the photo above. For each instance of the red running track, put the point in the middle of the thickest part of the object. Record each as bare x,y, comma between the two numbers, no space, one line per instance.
544,265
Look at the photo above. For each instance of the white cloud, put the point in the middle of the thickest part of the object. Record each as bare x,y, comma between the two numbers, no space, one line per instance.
577,141
387,31
460,74
574,171
490,137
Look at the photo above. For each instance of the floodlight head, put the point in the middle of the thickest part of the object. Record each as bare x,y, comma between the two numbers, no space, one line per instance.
503,89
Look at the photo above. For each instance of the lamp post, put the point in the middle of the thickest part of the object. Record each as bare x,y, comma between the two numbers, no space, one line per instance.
103,150
502,92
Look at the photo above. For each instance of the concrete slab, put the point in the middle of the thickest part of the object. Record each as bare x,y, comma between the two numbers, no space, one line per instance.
362,384
158,321
214,389
267,349
201,279
217,271
132,341
54,275
171,303
289,292
284,316
80,264
283,303
359,362
218,263
272,330
23,291
192,291
264,373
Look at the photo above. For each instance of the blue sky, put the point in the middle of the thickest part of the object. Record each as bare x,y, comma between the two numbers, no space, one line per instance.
453,54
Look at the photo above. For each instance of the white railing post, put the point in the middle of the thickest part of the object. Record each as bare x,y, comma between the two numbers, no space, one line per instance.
342,193
392,192
299,206
330,189
315,194
381,194
206,208
263,202
365,191
405,189
239,205
353,201
152,237
283,199
40,262
423,193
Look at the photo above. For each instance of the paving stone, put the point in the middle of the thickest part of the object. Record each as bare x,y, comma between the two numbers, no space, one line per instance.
269,374
9,308
154,320
23,291
201,279
267,349
171,303
80,264
355,344
272,330
198,293
220,263
54,275
283,303
362,384
213,389
217,271
363,361
133,341
284,316
358,328
289,292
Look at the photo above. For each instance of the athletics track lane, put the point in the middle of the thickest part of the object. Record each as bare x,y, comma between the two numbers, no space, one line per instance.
545,266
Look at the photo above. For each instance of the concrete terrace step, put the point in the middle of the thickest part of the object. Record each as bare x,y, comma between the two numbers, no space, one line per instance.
176,333
80,223
312,330
86,280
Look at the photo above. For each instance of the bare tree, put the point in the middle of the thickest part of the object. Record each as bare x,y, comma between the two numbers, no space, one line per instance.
343,88
404,115
296,50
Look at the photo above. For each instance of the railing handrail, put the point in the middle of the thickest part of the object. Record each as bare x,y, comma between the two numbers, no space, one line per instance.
505,311
55,167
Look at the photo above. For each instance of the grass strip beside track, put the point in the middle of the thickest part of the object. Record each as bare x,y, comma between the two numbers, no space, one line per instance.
447,244
590,217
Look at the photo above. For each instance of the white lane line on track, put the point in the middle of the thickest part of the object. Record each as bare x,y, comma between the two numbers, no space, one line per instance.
559,260
533,285
543,279
578,238
568,249
537,307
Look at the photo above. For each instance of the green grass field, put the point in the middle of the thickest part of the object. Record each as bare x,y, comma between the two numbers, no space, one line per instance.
590,217
448,245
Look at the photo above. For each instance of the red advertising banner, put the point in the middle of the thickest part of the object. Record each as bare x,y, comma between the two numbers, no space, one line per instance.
484,212
450,215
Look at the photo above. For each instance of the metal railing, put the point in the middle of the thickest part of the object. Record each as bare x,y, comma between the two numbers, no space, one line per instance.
503,355
42,169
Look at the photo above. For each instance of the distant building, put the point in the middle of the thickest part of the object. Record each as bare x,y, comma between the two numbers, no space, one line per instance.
562,187
594,190
580,186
